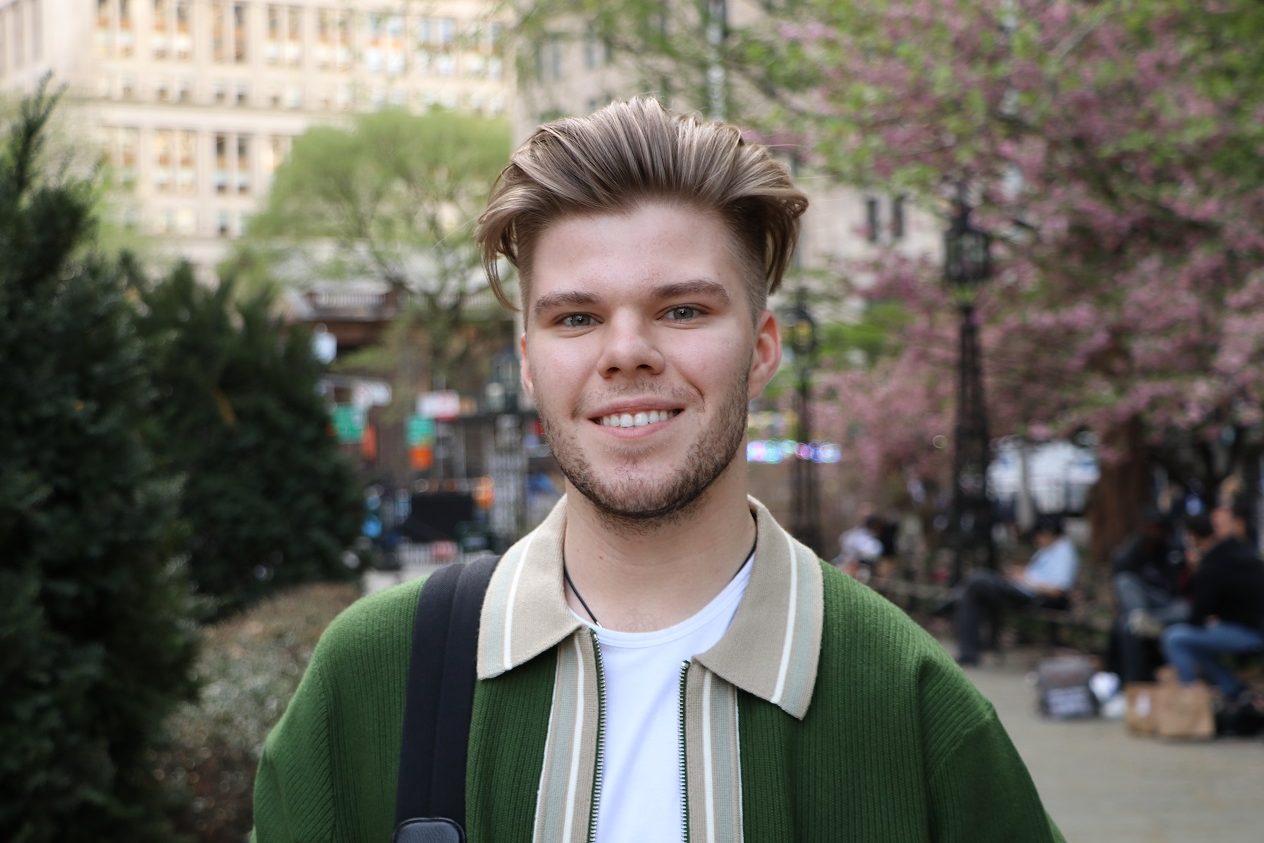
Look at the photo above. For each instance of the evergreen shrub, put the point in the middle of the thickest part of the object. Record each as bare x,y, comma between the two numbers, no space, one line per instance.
266,498
95,645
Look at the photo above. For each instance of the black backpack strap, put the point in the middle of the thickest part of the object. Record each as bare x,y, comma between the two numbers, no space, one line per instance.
440,693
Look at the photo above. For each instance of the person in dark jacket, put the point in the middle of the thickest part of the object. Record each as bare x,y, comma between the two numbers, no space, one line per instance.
1227,608
1151,581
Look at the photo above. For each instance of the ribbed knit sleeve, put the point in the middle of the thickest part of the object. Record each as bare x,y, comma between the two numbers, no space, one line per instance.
293,791
981,792
897,746
329,767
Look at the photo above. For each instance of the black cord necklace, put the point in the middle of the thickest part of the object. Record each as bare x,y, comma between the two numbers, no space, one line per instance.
567,576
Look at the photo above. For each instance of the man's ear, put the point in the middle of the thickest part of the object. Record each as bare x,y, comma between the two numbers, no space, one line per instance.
766,355
524,367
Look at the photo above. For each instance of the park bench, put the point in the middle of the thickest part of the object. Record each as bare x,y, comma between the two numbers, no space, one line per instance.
1085,624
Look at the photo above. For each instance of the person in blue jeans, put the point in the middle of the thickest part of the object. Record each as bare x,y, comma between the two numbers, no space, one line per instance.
1227,610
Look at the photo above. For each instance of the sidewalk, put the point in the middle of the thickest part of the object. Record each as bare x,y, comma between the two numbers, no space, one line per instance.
1101,784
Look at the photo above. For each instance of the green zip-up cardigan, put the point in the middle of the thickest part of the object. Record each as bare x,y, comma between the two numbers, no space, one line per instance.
895,744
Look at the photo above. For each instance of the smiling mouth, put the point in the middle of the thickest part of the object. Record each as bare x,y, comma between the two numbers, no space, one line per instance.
640,419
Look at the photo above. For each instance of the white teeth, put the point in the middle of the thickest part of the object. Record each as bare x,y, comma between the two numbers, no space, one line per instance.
640,419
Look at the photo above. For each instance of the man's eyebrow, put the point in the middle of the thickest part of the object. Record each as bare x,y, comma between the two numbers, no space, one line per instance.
566,298
696,287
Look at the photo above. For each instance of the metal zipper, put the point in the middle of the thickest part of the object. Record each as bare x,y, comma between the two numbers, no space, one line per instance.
601,739
684,763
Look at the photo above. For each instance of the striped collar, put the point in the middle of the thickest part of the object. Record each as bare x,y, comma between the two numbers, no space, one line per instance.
770,650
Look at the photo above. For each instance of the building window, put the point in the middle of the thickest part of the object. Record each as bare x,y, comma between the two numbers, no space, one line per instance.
228,32
126,34
548,59
182,38
272,40
332,42
243,164
446,31
871,219
232,163
186,162
164,160
220,176
294,37
239,33
121,144
594,50
160,38
897,217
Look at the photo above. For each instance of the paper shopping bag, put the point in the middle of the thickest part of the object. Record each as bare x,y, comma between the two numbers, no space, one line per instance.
1184,711
1139,714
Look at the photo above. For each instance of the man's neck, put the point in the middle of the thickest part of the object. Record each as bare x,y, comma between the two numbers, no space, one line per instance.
660,573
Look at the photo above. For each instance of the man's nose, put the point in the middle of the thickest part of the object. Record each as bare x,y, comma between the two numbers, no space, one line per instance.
630,347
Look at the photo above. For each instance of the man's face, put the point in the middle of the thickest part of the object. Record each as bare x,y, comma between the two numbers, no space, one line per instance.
641,354
1224,523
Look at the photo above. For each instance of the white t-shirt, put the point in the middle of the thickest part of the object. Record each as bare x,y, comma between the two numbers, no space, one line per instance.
640,795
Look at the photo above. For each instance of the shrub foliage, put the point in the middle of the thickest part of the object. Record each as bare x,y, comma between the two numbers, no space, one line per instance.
95,648
249,667
265,497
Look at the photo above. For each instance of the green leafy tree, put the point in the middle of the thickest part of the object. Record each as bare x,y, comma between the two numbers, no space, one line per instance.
392,197
95,646
265,496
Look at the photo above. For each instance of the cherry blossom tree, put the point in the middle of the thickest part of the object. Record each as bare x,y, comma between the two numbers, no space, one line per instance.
1112,148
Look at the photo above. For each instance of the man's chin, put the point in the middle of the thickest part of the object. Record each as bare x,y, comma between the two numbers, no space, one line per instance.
642,506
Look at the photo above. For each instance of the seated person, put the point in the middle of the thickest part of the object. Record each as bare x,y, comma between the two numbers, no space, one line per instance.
860,548
1045,581
1150,578
1227,610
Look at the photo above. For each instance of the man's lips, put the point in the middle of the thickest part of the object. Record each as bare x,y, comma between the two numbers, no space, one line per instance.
635,418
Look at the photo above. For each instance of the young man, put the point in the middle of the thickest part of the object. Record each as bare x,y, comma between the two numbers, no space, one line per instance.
659,660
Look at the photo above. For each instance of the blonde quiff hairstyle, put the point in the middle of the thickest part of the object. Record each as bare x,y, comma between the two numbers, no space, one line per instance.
633,151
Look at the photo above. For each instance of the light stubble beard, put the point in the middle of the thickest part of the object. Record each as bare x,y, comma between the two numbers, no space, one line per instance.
639,506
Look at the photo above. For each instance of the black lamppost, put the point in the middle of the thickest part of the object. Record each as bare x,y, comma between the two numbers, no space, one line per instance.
967,264
805,523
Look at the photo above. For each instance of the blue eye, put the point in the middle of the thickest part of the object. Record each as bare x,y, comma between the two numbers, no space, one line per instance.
576,320
683,313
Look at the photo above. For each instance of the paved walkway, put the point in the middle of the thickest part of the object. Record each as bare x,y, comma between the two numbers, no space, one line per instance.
1101,784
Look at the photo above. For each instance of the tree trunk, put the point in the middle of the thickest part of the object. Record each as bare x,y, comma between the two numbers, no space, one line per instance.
1119,497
